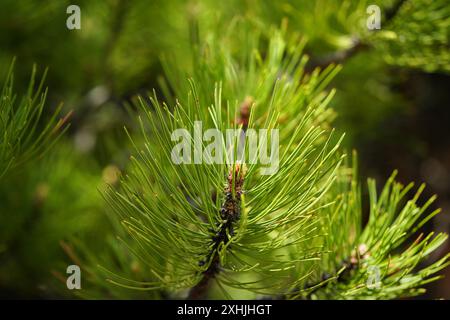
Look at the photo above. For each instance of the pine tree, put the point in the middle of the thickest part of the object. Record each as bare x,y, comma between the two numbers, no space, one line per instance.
143,225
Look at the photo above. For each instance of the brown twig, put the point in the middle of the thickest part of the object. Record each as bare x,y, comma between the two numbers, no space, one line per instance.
339,57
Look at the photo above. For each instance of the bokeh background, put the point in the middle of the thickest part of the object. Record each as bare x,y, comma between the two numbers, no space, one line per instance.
392,101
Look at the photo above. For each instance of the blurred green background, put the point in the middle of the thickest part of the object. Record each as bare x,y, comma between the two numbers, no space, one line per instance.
392,101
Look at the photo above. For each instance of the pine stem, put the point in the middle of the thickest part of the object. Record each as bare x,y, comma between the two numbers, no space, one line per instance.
230,213
200,290
339,57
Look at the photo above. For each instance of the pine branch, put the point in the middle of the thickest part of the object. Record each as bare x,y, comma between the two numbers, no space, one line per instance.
230,213
358,44
290,226
390,224
338,57
168,210
23,136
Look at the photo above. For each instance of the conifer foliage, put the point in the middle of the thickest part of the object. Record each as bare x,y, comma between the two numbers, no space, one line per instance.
227,177
20,120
